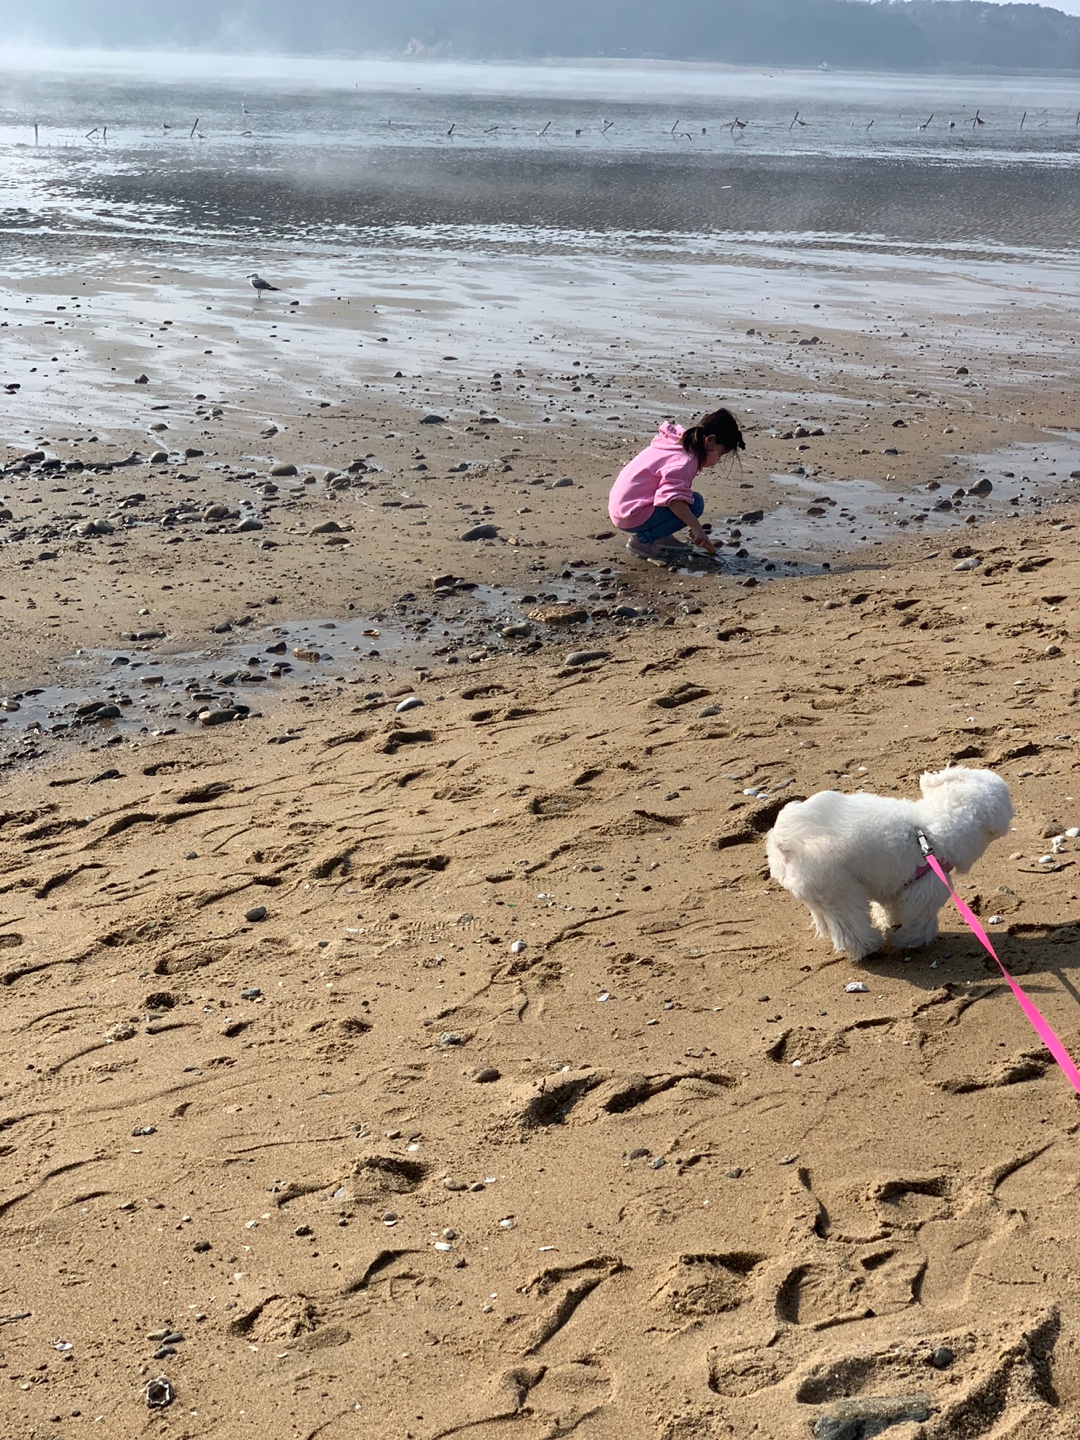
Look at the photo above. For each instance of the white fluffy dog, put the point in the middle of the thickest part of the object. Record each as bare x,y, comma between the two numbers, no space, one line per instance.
843,854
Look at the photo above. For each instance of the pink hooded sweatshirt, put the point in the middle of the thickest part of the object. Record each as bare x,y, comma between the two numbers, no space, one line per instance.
663,472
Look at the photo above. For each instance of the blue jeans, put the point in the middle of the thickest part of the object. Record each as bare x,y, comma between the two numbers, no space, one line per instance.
663,522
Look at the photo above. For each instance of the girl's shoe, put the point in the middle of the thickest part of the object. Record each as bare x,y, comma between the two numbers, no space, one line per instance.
646,551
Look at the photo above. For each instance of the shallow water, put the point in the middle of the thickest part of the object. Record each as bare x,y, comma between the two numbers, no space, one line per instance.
213,146
835,515
512,237
145,102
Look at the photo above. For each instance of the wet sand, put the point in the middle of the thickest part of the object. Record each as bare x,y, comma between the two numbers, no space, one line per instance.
863,424
454,1067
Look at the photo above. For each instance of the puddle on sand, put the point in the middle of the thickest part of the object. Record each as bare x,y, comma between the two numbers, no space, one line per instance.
142,689
824,516
837,515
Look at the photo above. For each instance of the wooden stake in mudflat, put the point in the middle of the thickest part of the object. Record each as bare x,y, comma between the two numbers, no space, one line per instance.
194,128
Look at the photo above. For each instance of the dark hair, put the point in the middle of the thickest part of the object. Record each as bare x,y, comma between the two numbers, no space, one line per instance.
721,425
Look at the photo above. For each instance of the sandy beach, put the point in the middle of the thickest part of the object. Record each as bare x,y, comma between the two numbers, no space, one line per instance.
403,1036
527,1103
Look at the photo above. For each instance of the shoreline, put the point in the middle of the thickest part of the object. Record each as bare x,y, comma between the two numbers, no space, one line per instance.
140,61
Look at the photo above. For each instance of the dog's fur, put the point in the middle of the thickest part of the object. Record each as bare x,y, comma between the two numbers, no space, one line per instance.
842,854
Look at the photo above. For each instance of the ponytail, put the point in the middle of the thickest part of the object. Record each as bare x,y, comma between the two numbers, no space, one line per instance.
721,426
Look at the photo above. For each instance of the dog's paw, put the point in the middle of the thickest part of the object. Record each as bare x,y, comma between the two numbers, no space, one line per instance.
911,937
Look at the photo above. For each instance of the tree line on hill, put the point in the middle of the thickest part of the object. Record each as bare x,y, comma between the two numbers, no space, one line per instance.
876,34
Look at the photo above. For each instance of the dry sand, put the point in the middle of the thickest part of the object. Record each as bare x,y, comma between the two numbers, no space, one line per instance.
529,1106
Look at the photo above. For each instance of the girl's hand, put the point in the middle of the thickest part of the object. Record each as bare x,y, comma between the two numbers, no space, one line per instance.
701,539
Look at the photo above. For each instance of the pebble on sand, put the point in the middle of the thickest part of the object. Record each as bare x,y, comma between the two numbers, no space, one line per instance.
869,1415
257,912
480,532
560,615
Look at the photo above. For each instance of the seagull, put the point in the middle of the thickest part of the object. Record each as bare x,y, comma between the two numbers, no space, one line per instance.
258,284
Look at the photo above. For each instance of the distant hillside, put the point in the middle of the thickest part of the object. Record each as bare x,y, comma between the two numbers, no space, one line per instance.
888,34
1006,37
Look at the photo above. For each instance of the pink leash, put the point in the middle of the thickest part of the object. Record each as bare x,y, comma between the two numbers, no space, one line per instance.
1041,1026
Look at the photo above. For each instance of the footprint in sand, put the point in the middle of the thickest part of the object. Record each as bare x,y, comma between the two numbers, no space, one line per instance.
534,1401
997,1382
707,1284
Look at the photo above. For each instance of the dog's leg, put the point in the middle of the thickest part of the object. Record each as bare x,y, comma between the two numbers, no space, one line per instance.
913,914
849,927
821,924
